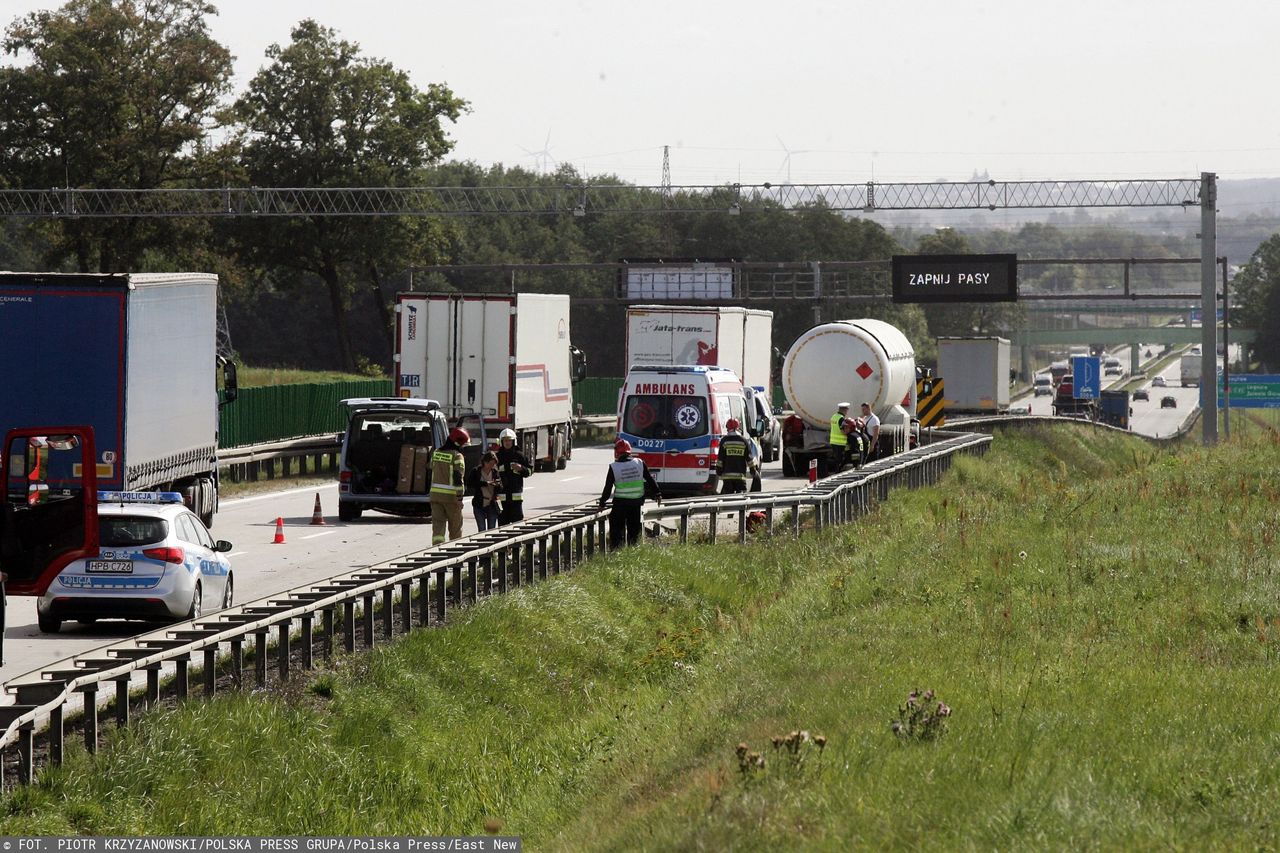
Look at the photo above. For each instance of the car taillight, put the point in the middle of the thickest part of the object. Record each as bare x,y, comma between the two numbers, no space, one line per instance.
168,555
344,477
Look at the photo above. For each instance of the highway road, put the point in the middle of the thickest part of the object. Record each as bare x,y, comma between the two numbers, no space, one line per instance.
310,553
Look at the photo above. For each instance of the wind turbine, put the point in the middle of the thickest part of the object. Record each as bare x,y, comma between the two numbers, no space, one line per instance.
542,159
786,161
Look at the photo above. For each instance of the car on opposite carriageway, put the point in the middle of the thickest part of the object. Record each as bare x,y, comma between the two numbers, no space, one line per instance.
156,561
1142,394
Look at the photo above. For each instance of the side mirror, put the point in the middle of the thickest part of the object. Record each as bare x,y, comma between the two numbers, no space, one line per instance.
230,384
222,546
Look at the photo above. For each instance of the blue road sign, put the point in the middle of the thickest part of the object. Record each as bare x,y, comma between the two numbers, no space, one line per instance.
1252,391
1086,372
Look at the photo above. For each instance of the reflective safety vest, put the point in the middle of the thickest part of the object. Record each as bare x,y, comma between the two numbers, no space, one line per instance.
838,438
446,473
731,461
628,479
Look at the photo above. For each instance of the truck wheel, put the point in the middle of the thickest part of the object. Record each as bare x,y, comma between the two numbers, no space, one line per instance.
49,624
348,511
563,459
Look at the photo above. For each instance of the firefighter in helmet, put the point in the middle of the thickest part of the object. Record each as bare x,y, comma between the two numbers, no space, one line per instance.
448,468
734,459
513,466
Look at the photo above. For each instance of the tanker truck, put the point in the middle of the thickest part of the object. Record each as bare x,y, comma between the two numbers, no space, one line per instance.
853,361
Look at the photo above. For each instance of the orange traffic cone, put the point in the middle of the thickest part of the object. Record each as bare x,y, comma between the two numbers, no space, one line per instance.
317,517
279,540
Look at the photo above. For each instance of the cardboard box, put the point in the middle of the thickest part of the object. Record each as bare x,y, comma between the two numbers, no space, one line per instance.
421,470
404,480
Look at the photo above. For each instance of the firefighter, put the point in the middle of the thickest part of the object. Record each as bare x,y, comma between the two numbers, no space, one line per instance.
513,465
447,470
629,479
733,462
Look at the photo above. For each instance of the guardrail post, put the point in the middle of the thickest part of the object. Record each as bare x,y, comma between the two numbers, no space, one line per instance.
57,733
457,583
406,606
349,625
742,526
26,753
819,509
473,588
210,671
366,619
308,642
486,565
153,686
712,524
326,644
542,558
260,656
90,692
388,611
237,662
768,520
795,520
684,528
122,701
557,553
589,534
603,543
502,571
180,677
579,552
424,600
282,649
441,592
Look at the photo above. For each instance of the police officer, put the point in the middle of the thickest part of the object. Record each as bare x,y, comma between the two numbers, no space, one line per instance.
513,465
839,438
734,459
447,470
629,479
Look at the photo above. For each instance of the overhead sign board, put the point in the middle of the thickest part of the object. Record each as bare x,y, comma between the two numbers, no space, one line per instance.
677,279
955,278
1086,374
1252,391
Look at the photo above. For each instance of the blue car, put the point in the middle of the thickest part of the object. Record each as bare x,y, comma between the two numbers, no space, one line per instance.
156,561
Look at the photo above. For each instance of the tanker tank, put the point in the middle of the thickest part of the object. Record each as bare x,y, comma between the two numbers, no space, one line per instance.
854,361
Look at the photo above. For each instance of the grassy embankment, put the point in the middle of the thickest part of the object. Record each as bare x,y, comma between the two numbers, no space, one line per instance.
1103,617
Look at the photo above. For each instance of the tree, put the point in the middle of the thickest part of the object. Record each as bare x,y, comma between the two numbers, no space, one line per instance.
115,94
970,318
323,115
1257,294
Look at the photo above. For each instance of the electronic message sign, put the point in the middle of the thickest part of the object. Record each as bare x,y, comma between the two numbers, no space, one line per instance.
955,278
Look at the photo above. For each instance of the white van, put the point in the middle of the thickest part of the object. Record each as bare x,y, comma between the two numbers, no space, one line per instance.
674,418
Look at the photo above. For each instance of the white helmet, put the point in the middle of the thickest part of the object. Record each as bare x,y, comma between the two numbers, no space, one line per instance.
507,433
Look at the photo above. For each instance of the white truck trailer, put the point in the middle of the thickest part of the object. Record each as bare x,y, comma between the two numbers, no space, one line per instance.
739,339
493,361
976,374
1189,366
848,361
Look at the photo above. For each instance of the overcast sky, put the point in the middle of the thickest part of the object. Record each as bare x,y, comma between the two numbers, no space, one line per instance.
854,91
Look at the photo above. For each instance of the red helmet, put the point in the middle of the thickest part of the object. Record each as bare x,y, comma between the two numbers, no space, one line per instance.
621,447
459,436
731,425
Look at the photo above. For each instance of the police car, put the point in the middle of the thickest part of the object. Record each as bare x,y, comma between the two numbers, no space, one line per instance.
156,561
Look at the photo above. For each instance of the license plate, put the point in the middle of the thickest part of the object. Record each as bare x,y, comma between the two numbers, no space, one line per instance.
117,567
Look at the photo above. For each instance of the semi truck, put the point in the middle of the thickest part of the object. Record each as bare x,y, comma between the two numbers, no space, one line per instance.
1066,404
976,373
493,361
131,358
1114,408
1189,365
848,361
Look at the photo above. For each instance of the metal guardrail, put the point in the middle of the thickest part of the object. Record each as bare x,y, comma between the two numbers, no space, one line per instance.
437,579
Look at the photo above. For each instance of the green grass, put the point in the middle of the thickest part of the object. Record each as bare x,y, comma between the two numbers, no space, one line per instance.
254,377
1102,616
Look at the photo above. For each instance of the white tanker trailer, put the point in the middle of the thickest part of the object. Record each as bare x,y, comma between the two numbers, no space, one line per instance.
853,361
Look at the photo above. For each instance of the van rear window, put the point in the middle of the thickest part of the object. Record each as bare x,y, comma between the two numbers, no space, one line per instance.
657,416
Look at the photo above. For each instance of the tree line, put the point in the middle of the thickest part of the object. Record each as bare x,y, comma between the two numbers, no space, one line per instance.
138,94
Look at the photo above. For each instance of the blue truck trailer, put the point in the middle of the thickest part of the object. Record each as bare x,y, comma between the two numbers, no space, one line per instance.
131,356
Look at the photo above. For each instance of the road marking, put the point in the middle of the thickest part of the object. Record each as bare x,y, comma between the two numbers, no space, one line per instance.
322,533
237,553
269,495
570,479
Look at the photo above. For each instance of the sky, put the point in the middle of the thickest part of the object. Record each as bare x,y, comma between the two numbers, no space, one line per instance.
824,92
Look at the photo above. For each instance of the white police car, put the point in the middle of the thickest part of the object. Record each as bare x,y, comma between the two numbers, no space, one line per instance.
156,561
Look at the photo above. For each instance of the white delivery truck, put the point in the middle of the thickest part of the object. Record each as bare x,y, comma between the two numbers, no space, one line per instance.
737,339
976,374
493,361
848,361
1189,367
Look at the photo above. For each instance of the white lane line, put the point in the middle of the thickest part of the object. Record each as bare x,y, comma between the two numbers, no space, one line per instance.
322,533
237,553
570,479
269,495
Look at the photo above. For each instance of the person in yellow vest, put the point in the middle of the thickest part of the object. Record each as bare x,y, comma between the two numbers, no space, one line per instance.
839,438
447,470
628,479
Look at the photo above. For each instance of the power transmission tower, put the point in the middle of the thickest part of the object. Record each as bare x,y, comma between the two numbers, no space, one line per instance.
668,230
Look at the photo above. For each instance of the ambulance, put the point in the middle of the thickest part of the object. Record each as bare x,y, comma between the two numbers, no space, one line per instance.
674,418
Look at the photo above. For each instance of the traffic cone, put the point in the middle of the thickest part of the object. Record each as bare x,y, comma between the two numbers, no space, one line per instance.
317,517
279,540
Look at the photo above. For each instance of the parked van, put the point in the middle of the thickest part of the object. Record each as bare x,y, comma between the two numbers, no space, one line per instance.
385,463
674,418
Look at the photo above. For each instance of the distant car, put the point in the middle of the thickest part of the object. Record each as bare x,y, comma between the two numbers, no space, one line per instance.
764,426
1019,410
156,562
1169,402
1044,391
1158,382
1141,394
